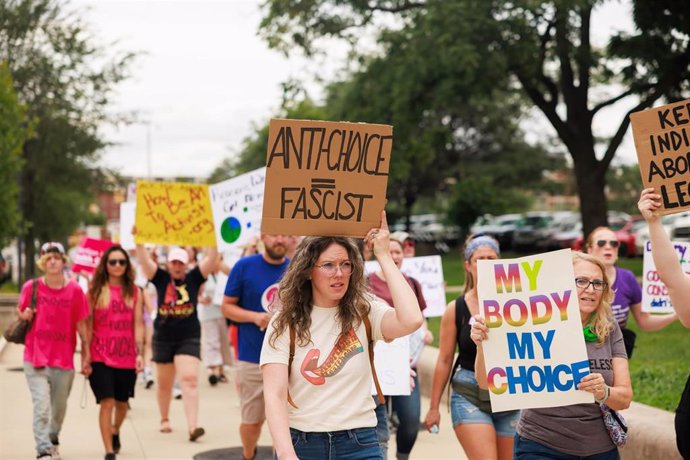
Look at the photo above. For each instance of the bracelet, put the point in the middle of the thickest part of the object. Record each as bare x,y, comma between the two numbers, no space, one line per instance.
607,393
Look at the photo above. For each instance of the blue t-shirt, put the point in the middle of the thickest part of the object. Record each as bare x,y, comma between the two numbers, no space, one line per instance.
255,283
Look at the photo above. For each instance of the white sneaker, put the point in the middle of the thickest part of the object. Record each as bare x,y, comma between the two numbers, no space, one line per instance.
177,393
54,453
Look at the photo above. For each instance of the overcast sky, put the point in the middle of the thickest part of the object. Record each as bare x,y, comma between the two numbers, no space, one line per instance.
205,77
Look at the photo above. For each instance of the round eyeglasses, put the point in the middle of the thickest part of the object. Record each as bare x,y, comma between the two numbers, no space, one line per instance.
331,268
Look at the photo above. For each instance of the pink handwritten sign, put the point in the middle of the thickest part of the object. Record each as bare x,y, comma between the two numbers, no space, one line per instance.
88,255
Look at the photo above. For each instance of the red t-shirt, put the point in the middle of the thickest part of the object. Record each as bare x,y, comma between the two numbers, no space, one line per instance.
113,341
380,288
53,335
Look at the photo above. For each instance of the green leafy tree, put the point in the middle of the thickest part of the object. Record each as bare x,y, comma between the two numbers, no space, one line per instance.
66,82
14,130
543,49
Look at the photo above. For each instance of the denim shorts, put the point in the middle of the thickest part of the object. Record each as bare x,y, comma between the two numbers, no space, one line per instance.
463,411
356,444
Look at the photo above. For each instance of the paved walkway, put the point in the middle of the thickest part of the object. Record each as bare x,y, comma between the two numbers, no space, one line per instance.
219,415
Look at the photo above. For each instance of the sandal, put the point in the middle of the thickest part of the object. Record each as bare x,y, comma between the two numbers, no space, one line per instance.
165,426
196,434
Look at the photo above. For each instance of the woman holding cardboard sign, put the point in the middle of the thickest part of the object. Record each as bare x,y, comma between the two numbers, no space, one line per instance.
602,243
481,433
678,284
578,431
328,325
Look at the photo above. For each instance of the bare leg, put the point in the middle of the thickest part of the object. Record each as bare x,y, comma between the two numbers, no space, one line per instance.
478,440
187,369
249,433
120,414
166,375
105,423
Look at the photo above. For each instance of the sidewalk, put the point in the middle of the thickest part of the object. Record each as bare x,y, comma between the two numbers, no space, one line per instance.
218,414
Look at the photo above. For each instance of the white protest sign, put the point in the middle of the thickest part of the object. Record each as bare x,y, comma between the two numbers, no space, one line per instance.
655,297
535,355
128,211
428,270
237,205
392,362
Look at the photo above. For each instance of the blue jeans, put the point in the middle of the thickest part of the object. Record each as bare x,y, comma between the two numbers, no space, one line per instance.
49,387
409,411
526,449
357,444
382,432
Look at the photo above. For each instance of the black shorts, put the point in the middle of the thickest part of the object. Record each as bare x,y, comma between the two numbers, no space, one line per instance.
164,351
110,382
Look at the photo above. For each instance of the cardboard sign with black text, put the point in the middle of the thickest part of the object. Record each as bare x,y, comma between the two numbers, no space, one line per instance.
662,141
325,178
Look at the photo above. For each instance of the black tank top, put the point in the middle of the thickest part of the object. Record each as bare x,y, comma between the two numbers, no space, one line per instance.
466,347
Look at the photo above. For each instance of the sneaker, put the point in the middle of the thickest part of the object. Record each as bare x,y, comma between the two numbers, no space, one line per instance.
110,456
44,456
213,380
54,453
222,378
116,443
148,377
177,393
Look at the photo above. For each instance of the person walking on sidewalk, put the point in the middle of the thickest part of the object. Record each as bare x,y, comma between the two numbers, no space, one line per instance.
481,433
117,341
327,311
249,293
61,311
177,333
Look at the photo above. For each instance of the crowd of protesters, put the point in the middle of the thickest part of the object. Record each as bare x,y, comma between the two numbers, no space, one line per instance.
292,298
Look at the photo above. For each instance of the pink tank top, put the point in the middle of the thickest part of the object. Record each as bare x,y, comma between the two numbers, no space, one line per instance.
113,340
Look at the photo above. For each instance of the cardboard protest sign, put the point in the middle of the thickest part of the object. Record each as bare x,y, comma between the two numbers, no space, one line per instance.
392,362
88,254
127,217
428,270
174,213
655,297
662,140
535,355
325,178
237,204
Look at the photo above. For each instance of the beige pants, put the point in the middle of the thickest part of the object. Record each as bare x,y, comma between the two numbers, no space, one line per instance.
215,344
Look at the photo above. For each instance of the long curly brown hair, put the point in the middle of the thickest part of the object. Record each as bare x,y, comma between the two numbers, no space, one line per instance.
99,295
295,290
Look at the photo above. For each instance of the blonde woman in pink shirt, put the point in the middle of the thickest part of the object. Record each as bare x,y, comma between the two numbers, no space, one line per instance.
117,329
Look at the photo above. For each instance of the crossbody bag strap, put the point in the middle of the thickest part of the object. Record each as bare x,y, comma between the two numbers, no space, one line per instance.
290,359
367,326
34,294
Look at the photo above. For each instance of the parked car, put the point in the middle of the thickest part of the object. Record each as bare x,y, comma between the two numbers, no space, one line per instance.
621,223
528,230
564,238
669,224
502,228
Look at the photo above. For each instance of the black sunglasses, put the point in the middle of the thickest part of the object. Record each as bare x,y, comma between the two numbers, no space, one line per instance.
613,243
113,262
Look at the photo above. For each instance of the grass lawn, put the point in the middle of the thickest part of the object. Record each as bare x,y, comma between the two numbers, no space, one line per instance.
661,360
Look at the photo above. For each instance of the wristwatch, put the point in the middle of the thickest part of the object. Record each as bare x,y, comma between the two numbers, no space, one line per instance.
607,393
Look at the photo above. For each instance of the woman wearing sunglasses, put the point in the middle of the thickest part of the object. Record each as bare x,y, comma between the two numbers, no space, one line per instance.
117,339
327,310
577,431
602,243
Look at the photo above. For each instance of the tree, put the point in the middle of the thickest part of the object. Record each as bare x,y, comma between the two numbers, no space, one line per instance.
546,52
14,130
66,81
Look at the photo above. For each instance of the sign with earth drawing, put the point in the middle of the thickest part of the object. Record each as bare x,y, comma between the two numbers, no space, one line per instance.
237,205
